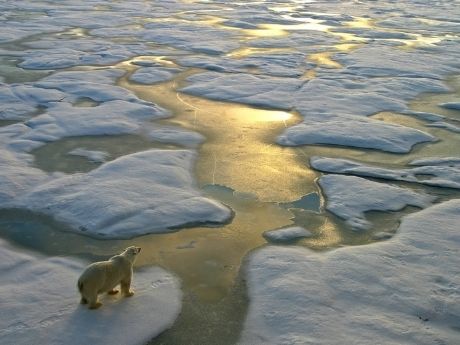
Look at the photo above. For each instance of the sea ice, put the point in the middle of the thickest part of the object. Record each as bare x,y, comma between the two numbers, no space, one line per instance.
110,118
244,88
451,105
354,131
19,102
146,192
96,85
188,36
441,172
448,126
287,234
91,155
174,135
400,291
152,75
40,304
349,197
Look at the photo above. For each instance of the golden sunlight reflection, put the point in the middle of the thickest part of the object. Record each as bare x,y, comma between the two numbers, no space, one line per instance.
308,75
348,37
274,30
346,47
147,60
284,8
245,114
75,32
422,41
360,22
248,51
324,59
239,165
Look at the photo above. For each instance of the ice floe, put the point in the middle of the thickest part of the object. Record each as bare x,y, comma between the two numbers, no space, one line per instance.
287,234
445,125
174,135
40,304
193,37
451,105
21,101
440,172
152,75
349,197
111,117
400,291
96,85
91,155
244,88
354,131
147,192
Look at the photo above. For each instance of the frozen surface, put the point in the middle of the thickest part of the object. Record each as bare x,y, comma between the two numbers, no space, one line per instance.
287,234
21,101
451,105
146,192
441,172
92,155
348,197
244,88
174,135
152,75
448,126
400,291
96,85
111,117
354,131
40,304
188,36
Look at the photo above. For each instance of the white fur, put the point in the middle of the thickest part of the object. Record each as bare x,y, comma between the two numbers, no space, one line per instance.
104,276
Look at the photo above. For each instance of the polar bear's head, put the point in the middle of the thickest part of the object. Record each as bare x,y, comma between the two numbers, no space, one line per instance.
131,253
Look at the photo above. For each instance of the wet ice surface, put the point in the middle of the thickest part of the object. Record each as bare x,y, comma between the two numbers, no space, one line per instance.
85,72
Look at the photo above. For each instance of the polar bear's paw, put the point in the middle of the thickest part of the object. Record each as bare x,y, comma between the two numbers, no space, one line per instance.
128,294
95,305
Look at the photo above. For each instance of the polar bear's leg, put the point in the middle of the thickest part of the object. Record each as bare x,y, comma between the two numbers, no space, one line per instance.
112,292
93,302
125,285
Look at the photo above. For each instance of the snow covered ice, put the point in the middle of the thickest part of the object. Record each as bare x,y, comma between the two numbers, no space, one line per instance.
402,291
349,197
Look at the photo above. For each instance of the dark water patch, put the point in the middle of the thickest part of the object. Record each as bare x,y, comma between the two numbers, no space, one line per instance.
4,123
42,233
311,202
12,73
54,156
201,323
85,102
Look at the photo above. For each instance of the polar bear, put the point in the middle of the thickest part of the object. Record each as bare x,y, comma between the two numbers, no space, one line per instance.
104,276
